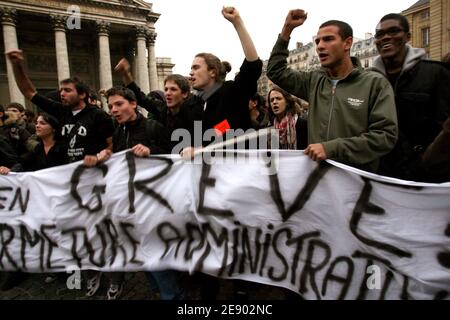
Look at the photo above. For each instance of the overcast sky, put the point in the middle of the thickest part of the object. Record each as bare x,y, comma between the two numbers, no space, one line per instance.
187,27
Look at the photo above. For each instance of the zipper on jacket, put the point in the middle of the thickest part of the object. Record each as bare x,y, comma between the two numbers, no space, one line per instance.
333,93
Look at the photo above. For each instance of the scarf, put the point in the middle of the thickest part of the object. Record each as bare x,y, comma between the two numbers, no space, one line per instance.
206,94
286,131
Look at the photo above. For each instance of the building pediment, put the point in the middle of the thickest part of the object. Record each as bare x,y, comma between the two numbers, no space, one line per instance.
138,4
56,4
115,11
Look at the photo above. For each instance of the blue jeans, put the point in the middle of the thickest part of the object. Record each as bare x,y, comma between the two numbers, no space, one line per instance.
166,283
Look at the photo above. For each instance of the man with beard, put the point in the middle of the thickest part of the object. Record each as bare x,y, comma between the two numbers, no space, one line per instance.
86,129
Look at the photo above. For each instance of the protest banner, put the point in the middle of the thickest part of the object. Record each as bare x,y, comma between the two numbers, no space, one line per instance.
326,231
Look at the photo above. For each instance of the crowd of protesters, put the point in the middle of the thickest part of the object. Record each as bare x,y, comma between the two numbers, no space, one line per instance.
393,119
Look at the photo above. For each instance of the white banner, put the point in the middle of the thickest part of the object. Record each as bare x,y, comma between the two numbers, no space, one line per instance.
325,231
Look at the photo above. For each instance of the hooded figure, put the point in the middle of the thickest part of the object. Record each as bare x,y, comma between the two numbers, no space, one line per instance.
422,97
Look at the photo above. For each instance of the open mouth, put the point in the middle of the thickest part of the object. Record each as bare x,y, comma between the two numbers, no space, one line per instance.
323,56
387,46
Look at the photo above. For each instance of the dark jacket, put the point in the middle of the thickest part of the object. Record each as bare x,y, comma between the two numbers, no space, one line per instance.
422,97
301,130
436,159
230,101
37,159
191,110
14,129
85,133
155,107
144,131
8,157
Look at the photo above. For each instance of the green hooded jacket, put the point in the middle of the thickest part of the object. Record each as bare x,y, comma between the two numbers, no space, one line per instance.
355,121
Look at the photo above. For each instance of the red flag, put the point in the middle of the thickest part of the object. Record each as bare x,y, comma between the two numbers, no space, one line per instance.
222,127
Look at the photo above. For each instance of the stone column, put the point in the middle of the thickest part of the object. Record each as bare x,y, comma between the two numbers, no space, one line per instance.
8,17
152,71
134,66
62,56
142,69
105,57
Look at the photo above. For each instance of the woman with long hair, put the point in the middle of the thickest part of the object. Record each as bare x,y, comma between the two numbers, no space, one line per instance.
285,114
49,151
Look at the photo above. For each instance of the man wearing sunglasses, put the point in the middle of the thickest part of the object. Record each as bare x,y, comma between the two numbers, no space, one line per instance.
422,97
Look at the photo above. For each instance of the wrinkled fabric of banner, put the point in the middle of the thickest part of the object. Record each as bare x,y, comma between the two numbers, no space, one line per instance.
325,231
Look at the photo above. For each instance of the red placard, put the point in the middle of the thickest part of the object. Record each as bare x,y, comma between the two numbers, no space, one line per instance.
222,127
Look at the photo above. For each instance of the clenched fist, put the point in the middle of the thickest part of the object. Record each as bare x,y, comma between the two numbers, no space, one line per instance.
15,56
122,66
295,18
230,13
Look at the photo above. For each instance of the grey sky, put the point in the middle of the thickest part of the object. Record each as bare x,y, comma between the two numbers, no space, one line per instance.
187,27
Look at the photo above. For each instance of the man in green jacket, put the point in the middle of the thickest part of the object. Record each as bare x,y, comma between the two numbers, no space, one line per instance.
352,117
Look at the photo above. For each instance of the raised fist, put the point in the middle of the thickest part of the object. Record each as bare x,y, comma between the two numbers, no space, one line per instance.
123,66
230,13
296,18
15,56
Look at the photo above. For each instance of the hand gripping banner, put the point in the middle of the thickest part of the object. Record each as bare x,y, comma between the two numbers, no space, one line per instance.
325,231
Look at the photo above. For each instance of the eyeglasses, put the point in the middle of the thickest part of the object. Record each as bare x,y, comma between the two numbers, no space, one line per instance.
391,32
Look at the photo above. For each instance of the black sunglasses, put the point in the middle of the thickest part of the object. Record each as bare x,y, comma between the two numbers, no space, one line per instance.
391,32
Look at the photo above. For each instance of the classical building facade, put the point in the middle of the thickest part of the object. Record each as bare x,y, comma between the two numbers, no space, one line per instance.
84,38
365,50
430,26
164,68
303,57
264,84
